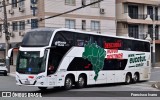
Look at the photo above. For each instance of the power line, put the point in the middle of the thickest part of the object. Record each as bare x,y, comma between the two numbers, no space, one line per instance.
41,19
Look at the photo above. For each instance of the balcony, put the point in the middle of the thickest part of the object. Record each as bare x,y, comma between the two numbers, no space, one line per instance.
150,2
137,16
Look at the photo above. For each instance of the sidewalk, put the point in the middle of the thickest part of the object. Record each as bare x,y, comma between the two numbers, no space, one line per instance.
12,71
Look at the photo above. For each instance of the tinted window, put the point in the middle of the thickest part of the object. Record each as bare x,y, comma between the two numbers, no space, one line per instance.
63,38
141,46
115,64
79,64
37,38
97,40
82,39
147,46
127,45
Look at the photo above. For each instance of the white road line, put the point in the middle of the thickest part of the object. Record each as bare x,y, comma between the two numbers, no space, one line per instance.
155,71
152,81
156,67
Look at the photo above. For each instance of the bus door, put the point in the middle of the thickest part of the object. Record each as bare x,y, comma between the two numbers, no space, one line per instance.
55,57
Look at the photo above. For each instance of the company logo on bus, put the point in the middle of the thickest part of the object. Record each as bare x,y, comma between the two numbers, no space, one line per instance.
60,43
137,60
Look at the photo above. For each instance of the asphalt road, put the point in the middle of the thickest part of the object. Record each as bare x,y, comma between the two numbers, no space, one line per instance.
118,91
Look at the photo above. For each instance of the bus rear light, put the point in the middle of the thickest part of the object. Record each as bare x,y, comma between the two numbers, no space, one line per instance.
31,77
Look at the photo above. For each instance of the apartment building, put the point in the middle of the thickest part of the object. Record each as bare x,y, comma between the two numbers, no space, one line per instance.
25,15
135,19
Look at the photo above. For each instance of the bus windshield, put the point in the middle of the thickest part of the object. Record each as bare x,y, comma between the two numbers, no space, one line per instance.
30,62
37,39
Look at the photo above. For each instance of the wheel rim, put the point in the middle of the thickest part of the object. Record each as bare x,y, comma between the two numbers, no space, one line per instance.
128,79
68,82
135,78
81,81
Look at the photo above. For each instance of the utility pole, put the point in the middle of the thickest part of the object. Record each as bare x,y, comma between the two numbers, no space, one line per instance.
153,40
5,24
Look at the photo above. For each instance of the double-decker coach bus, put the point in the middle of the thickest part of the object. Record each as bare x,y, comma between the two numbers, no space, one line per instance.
66,57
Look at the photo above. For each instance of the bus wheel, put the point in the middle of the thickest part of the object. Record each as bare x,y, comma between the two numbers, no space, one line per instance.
128,79
81,82
135,78
68,83
42,88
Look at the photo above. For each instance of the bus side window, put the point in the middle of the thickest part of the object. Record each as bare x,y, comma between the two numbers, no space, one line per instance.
127,45
97,40
57,39
82,39
63,38
138,46
147,46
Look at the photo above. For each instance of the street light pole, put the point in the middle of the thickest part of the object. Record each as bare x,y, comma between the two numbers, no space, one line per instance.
153,40
5,24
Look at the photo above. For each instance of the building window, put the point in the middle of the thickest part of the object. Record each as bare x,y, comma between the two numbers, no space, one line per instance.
21,3
150,12
150,31
133,11
95,26
22,25
0,27
133,31
83,24
96,5
0,7
70,2
34,23
69,23
83,2
14,3
14,26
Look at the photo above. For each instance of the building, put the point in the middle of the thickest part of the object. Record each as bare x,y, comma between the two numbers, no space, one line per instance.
25,15
135,19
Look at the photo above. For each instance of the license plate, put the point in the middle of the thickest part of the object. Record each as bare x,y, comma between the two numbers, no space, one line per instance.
26,82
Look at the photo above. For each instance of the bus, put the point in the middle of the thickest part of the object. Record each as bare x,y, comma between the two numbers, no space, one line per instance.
62,57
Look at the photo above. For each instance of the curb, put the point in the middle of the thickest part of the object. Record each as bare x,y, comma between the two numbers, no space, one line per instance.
12,74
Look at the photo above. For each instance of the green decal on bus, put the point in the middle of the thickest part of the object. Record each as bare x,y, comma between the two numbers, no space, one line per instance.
96,55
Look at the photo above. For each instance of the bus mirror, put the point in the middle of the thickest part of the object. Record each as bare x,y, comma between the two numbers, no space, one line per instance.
10,52
42,53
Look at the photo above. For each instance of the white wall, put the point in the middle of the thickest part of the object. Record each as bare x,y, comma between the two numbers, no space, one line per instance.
58,6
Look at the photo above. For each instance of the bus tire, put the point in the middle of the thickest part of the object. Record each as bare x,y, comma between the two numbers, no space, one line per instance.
128,79
81,82
136,78
42,88
68,83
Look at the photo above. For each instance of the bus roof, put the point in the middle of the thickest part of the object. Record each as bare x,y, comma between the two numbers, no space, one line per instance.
84,32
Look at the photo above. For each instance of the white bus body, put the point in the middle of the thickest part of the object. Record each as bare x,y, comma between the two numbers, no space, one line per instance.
120,65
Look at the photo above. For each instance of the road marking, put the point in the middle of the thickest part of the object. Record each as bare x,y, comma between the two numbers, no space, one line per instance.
156,67
143,87
155,71
152,81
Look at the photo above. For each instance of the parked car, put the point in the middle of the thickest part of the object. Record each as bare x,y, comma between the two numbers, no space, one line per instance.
3,69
